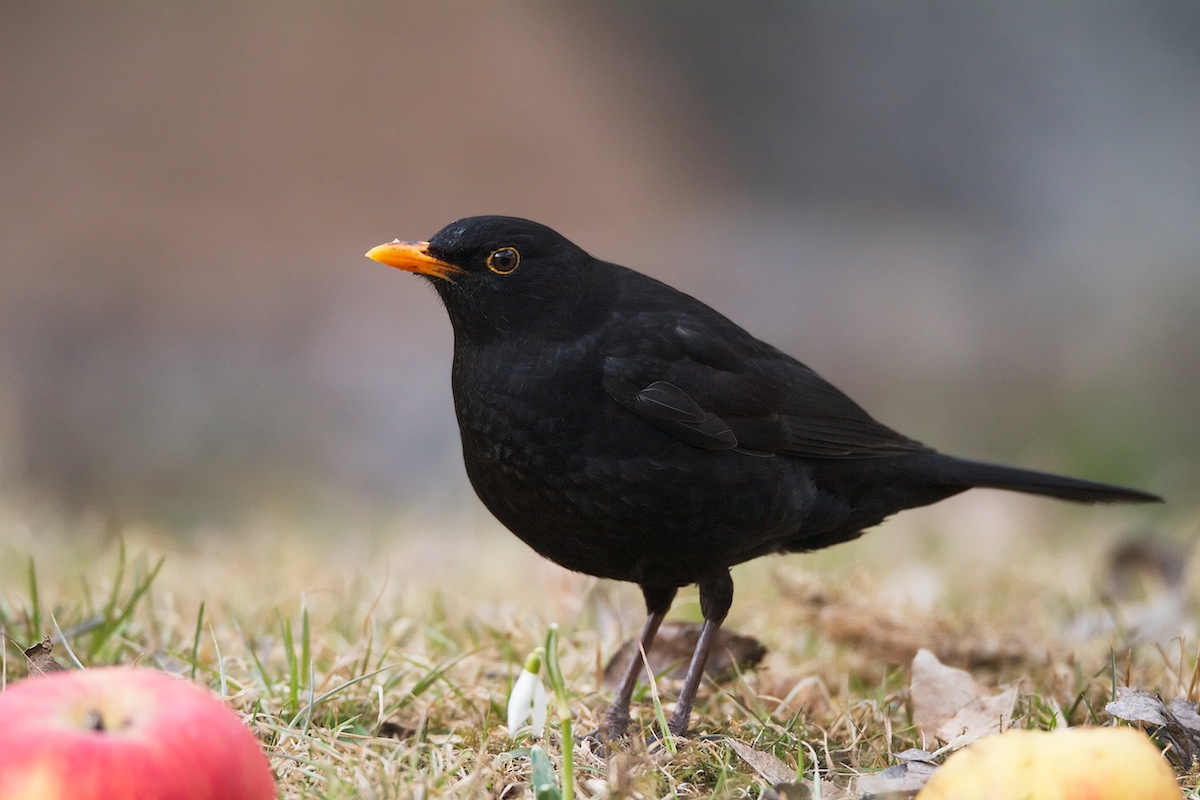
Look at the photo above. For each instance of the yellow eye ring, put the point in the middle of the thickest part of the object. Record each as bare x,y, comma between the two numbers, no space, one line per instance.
504,260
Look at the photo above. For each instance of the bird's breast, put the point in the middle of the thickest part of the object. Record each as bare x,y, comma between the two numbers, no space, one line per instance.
526,412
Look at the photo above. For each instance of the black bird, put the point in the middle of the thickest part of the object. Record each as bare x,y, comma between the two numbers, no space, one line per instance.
624,429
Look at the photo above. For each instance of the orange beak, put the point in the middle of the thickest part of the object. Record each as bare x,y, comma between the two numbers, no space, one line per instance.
413,257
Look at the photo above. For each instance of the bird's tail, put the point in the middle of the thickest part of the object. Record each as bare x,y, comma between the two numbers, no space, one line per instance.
967,474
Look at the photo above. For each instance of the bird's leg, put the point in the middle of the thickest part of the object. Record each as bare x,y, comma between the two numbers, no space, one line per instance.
658,603
716,595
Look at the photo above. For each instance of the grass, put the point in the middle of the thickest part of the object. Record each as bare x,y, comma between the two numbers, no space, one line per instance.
375,661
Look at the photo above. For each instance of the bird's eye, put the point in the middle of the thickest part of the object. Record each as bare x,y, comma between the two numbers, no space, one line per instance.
504,260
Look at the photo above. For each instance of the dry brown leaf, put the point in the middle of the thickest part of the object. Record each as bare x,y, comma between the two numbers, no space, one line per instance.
900,780
938,692
780,777
770,768
731,653
1178,724
981,716
950,706
39,661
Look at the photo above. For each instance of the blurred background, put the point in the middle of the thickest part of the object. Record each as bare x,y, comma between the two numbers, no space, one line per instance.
981,221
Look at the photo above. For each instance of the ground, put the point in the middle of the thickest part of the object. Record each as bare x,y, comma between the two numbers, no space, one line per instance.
374,658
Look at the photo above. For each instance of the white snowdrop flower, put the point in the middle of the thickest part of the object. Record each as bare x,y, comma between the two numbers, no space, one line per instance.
528,699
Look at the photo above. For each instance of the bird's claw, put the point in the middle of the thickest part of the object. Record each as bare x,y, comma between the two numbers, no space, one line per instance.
616,723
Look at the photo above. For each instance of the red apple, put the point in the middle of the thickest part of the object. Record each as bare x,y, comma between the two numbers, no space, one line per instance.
117,733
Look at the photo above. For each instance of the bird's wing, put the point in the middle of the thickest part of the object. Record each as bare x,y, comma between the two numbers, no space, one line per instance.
712,385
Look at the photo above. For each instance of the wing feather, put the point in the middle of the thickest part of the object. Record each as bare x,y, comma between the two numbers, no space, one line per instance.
712,385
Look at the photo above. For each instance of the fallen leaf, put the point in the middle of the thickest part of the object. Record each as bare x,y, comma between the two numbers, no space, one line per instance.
780,778
1178,725
981,716
938,692
948,705
903,780
40,661
731,654
772,770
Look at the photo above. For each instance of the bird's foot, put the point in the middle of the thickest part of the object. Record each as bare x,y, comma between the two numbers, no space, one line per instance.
616,723
613,729
658,734
678,723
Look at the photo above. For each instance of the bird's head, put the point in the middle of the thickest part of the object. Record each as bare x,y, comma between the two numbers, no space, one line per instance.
502,275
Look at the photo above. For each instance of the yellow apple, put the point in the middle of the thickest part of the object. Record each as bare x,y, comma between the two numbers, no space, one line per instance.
1071,764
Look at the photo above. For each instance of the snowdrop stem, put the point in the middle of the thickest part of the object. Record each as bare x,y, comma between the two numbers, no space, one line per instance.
559,687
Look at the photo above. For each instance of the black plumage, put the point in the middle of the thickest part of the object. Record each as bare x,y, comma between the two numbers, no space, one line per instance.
626,430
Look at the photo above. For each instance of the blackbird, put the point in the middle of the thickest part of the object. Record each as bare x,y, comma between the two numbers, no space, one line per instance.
624,429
